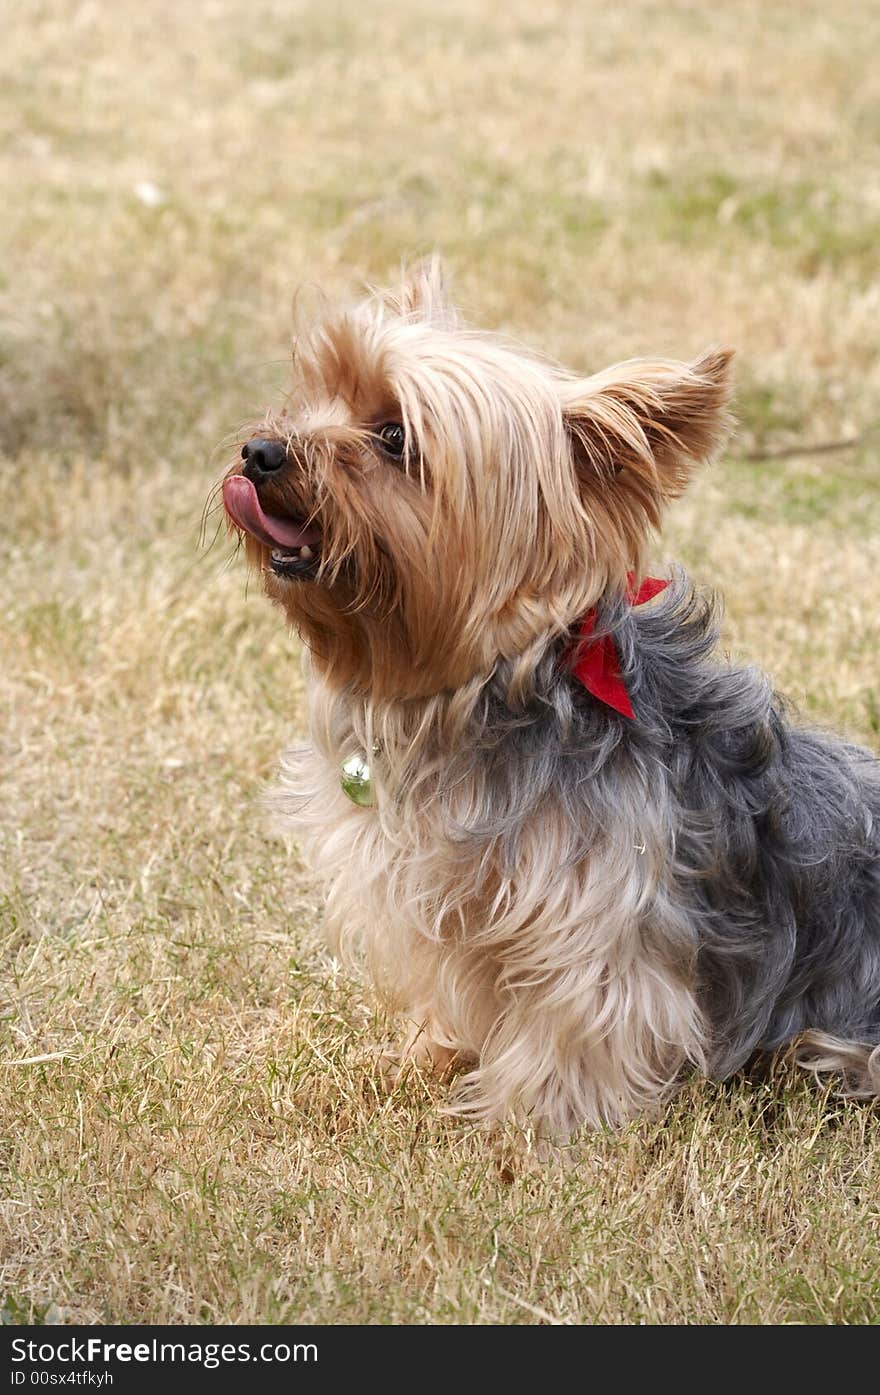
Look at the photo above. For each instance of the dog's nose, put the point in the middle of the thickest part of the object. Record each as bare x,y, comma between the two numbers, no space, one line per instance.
262,457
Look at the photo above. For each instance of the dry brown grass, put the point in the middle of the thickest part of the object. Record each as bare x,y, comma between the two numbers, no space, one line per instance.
199,1135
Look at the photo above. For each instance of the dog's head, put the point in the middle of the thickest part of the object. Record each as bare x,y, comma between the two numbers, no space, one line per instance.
433,499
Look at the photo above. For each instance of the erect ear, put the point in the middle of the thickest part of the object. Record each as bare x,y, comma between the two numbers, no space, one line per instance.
422,293
639,429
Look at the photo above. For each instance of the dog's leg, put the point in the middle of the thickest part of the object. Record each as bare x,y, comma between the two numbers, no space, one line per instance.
600,1053
858,1063
591,1015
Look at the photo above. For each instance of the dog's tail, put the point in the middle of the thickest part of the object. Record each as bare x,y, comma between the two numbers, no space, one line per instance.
857,1062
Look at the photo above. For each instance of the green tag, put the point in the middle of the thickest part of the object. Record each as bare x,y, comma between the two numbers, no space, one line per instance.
355,781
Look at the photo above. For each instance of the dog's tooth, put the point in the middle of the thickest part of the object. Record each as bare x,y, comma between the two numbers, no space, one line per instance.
305,553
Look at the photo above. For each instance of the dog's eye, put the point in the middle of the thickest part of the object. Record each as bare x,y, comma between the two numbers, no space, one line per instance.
393,438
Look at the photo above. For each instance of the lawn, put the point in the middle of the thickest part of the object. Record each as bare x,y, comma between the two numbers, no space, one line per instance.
191,1121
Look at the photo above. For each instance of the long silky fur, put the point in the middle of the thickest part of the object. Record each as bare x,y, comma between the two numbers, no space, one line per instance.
582,906
585,905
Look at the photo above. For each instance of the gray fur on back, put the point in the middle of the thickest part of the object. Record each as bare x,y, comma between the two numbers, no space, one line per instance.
773,829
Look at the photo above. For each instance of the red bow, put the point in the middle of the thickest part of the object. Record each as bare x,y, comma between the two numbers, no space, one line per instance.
598,667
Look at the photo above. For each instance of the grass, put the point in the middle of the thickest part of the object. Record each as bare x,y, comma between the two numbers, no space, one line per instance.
191,1127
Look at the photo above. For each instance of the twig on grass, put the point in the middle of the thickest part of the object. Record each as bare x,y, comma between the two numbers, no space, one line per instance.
820,448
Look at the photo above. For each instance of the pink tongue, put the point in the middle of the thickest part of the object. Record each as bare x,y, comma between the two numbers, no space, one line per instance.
245,510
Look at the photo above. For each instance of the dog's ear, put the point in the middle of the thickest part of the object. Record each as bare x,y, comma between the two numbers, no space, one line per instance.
639,429
422,293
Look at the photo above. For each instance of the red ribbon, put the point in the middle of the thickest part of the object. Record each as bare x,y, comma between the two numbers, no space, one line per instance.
598,667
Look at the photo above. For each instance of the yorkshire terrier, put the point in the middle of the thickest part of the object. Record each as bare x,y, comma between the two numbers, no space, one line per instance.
581,853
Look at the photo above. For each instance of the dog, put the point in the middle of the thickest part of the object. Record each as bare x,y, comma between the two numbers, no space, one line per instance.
582,854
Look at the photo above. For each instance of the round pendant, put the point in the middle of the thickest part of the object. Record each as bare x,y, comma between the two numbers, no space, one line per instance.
355,780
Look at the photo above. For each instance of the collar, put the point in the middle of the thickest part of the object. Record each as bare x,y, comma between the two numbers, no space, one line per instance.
598,666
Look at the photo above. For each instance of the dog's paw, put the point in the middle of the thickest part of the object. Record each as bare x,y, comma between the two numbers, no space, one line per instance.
420,1052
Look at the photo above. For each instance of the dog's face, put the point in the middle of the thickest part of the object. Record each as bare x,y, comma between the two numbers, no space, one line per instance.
433,499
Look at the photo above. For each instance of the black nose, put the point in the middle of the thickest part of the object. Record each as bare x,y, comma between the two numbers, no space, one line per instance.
262,457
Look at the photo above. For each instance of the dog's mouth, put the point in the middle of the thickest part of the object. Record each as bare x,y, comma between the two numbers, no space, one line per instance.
294,546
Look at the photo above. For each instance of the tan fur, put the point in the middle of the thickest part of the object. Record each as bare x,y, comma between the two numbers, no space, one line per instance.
511,484
565,989
526,492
